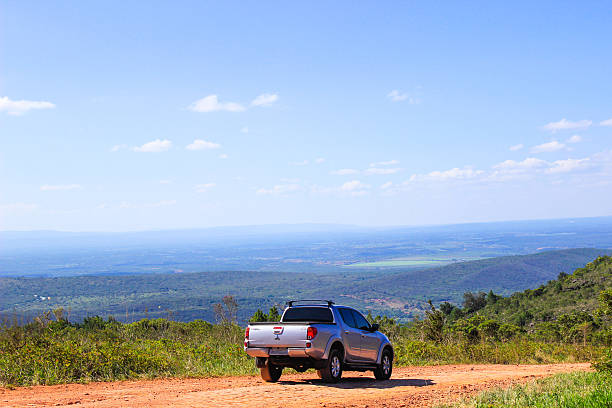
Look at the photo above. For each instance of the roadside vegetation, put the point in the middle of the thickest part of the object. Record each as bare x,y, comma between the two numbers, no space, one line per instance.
51,349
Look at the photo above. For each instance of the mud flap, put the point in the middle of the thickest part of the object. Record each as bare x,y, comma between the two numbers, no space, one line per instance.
260,362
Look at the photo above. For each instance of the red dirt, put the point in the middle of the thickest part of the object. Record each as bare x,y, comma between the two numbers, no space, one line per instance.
408,387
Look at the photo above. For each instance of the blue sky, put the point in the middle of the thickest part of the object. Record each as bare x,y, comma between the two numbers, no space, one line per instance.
151,115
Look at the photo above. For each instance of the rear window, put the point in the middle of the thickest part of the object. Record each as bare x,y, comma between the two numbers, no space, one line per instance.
308,314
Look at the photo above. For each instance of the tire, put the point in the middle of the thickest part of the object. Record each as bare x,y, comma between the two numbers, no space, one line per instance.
385,368
271,373
332,371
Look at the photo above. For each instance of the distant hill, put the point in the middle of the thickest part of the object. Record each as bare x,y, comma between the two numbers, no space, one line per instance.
503,275
570,293
187,296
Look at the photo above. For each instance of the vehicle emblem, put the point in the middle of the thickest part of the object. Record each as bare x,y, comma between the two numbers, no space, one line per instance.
278,330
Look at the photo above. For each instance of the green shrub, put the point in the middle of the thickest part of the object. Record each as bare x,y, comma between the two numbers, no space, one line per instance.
57,351
605,364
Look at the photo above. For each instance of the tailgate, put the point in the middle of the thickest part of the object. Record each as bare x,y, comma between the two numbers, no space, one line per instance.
277,335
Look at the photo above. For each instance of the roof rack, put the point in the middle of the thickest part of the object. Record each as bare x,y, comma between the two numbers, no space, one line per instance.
329,302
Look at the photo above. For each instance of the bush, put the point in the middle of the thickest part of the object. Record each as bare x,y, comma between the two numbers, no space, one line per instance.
605,364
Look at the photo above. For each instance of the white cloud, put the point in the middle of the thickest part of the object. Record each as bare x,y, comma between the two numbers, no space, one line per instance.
378,170
575,139
354,185
223,156
385,163
397,96
300,163
202,188
510,169
279,189
18,207
244,129
155,146
60,187
516,147
265,100
355,188
199,144
553,146
599,165
118,147
528,163
211,103
607,122
165,181
344,172
565,124
319,160
20,107
568,165
452,174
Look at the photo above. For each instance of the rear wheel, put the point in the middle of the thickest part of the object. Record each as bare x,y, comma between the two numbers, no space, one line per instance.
271,373
332,371
384,369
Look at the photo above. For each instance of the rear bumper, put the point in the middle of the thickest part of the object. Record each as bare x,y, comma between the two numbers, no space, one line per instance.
296,352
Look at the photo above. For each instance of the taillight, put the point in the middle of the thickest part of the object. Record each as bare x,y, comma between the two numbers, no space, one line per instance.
246,333
311,333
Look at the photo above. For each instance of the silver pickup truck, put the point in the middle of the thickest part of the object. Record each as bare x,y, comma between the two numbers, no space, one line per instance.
321,335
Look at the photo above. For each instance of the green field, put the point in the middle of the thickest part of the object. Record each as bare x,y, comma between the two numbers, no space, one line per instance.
396,263
413,261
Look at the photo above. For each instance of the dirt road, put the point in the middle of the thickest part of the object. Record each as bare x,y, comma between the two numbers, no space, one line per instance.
409,387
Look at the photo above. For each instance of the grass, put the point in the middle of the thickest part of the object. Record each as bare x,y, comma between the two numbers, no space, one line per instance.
573,390
55,351
99,350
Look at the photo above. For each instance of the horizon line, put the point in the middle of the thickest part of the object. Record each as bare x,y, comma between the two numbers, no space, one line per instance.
382,226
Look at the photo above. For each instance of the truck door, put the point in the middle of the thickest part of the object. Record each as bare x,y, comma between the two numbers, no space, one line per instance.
351,336
370,342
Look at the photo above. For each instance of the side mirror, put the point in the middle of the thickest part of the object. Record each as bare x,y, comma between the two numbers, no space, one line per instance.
374,327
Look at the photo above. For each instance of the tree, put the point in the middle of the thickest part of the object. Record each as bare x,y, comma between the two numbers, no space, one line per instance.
259,316
489,329
433,325
474,302
455,314
492,298
605,301
225,312
274,315
446,308
507,331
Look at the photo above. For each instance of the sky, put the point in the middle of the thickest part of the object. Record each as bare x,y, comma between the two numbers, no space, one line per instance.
119,116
